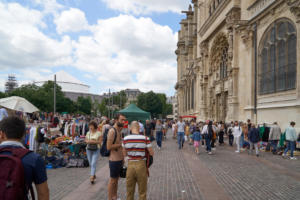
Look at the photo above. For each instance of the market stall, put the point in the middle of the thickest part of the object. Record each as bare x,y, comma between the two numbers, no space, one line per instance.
132,113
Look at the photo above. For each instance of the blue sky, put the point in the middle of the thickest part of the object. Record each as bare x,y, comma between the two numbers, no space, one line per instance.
115,44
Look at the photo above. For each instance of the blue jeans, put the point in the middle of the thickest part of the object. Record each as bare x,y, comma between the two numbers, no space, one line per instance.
208,141
159,138
242,141
274,144
93,159
290,146
180,139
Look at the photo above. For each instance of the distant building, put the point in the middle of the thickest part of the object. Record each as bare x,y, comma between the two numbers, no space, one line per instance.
11,83
173,100
132,94
71,87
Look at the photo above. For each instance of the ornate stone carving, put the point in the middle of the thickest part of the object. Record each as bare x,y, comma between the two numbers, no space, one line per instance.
295,8
246,34
220,42
204,49
233,16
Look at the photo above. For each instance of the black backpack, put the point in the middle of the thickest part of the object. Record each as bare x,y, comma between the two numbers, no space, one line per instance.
103,151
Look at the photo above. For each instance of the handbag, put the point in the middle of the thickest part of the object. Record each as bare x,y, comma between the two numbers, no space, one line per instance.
149,158
123,172
92,147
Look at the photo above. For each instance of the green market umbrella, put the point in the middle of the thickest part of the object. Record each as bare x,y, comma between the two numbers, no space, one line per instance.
134,113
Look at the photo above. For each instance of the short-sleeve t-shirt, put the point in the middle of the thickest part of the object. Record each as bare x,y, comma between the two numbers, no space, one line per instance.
94,136
180,126
158,127
135,146
34,167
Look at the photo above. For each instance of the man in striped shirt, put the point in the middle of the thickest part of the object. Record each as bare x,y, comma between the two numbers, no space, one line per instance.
134,146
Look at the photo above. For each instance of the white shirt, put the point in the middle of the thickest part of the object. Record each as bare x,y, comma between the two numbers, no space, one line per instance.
141,127
237,131
205,130
180,126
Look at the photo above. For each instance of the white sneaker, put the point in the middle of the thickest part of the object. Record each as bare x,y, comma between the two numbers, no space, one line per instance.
293,158
283,155
237,151
209,153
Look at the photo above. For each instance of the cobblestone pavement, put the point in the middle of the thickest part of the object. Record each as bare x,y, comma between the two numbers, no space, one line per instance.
183,175
62,181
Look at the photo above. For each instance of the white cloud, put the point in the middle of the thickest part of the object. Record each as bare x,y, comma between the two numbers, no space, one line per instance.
24,45
121,52
147,6
49,6
72,20
129,52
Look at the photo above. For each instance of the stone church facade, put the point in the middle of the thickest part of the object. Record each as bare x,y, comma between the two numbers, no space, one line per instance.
237,60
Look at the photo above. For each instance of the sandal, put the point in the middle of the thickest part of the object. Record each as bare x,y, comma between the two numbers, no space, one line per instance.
92,179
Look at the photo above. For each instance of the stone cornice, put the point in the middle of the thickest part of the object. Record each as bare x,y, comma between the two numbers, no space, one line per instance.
213,17
295,8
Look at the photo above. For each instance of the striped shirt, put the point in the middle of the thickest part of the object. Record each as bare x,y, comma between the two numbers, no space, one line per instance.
135,146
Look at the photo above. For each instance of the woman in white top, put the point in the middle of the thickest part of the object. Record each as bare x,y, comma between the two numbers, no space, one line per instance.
93,140
237,132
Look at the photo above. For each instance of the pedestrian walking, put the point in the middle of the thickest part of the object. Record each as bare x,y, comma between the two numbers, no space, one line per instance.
237,132
221,134
116,159
17,162
253,136
207,132
291,138
159,133
149,130
142,129
180,133
93,140
174,129
230,134
134,146
197,139
274,136
214,135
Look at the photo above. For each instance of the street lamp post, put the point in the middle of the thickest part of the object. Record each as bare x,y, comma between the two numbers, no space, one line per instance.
54,94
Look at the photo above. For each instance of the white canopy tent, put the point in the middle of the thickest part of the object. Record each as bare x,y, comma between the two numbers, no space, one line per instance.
18,104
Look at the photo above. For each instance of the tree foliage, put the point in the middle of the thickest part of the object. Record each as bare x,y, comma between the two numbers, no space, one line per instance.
113,103
43,98
84,105
155,103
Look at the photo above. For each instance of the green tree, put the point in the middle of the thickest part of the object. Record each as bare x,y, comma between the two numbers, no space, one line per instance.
43,97
150,102
84,105
2,95
103,108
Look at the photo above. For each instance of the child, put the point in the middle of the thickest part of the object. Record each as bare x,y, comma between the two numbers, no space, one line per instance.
197,138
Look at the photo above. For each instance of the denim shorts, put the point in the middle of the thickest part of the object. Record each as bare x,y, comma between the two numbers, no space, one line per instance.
115,168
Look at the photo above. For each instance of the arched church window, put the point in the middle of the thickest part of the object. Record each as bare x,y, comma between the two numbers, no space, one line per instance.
278,58
223,63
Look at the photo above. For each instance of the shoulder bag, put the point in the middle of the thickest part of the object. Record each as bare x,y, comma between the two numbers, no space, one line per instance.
92,147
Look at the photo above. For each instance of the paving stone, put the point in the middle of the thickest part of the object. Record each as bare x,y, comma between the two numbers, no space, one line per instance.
175,175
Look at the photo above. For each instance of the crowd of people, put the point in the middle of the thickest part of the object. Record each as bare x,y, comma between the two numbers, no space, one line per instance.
129,147
243,135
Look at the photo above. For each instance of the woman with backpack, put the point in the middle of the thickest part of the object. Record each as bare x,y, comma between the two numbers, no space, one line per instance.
93,140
